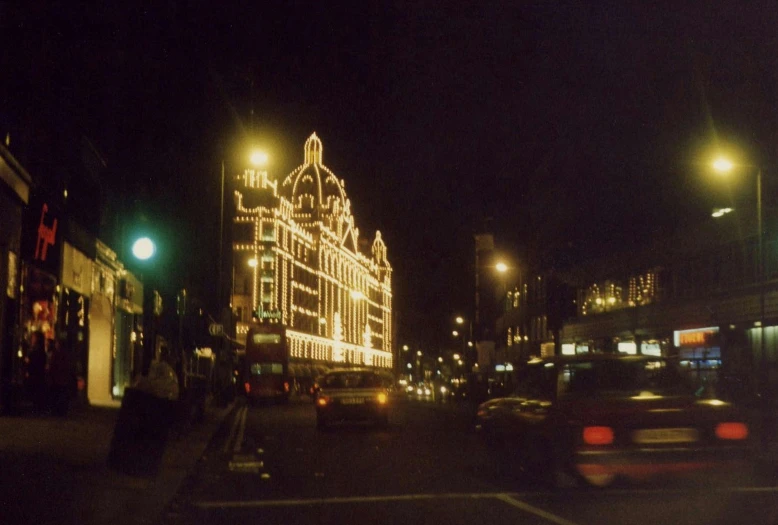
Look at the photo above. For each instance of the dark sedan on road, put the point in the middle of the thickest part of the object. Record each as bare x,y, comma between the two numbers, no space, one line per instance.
601,417
352,395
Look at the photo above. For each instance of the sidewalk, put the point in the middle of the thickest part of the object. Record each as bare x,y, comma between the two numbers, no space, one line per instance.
54,470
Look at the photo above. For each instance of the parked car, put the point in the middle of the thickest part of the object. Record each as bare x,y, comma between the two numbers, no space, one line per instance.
353,395
600,417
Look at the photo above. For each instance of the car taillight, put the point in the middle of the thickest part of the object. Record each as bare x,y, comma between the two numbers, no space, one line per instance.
321,401
382,398
732,431
247,387
598,435
286,386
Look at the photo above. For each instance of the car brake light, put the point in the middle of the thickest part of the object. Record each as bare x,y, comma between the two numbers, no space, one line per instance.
598,435
247,386
381,398
286,386
732,431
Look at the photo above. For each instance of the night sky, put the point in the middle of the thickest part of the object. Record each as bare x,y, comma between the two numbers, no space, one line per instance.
573,129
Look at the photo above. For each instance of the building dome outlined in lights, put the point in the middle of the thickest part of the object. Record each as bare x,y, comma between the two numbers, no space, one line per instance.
330,287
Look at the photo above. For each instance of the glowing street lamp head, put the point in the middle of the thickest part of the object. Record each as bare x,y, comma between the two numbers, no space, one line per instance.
258,158
501,267
253,262
143,248
722,165
455,333
460,319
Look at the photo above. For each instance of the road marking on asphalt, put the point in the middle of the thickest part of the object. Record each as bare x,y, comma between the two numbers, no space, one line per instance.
509,498
754,489
713,490
506,498
242,465
553,518
241,430
235,423
330,501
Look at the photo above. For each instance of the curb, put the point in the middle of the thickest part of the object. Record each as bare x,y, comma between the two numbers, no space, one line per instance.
147,505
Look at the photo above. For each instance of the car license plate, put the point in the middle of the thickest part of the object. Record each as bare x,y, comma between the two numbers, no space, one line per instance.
665,435
353,400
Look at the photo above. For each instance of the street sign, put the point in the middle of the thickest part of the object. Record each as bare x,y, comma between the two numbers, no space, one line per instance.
216,329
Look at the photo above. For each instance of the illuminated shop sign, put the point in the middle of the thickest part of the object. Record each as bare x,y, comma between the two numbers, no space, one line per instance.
41,235
651,349
696,337
274,315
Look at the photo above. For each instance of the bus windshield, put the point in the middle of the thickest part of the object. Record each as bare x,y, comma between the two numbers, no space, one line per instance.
267,369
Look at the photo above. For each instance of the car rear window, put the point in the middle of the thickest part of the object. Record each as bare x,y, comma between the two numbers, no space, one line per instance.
352,380
623,377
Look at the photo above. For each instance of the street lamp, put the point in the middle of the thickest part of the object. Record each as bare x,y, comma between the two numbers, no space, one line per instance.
723,165
258,158
143,249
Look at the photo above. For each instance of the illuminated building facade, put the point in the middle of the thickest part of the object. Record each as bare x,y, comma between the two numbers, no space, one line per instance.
298,257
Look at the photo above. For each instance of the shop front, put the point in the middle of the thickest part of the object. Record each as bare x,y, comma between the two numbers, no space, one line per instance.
14,196
74,313
41,250
699,352
127,360
102,318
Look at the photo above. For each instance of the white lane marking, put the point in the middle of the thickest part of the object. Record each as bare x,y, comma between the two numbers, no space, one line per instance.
503,496
241,430
327,501
553,518
679,491
753,489
232,431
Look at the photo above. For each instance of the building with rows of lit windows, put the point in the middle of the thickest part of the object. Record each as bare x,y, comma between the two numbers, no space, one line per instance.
298,257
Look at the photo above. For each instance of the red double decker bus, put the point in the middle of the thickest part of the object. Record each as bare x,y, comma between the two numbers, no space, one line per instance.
266,371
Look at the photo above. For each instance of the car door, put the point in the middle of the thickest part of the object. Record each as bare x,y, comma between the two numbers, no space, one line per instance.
532,406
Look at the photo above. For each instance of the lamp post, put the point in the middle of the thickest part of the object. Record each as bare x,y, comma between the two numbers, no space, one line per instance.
143,249
724,165
257,158
224,365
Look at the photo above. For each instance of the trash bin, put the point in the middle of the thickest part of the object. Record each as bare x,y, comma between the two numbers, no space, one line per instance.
141,432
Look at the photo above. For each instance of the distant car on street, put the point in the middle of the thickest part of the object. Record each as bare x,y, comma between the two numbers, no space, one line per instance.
600,417
353,394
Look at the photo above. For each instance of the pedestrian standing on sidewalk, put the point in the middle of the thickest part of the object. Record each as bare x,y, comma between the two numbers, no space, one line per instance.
60,379
36,371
